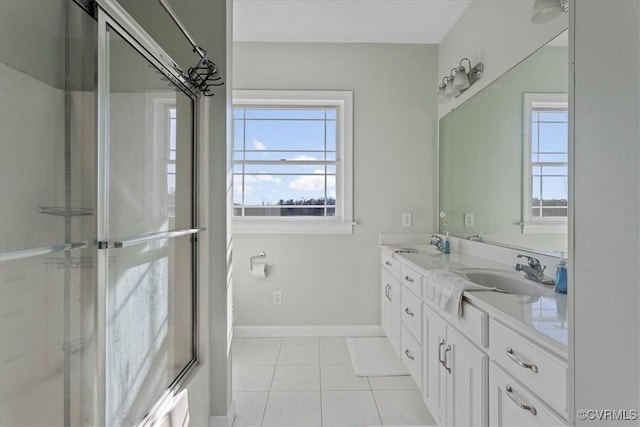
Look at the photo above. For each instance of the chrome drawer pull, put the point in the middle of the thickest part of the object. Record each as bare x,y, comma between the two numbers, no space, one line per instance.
448,368
524,406
408,354
409,312
440,359
525,365
388,263
408,279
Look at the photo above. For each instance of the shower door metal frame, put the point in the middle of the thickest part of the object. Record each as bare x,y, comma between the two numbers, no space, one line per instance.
111,16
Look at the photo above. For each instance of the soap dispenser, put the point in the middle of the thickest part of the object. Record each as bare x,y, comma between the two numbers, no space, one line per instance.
447,244
561,276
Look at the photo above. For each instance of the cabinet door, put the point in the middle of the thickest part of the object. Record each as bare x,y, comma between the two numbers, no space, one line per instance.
513,405
435,376
385,304
390,309
467,368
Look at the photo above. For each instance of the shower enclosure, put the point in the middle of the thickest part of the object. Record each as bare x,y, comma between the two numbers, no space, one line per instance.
98,227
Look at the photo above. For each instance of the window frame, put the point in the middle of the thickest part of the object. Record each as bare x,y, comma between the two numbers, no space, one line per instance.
530,224
342,222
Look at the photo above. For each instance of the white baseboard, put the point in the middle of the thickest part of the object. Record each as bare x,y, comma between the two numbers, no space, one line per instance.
224,420
308,331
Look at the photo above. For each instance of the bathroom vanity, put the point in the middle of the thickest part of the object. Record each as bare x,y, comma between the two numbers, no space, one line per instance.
502,362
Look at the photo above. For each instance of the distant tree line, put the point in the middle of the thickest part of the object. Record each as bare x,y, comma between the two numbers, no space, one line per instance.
306,207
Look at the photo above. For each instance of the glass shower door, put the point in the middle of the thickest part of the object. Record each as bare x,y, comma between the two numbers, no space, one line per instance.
149,230
47,213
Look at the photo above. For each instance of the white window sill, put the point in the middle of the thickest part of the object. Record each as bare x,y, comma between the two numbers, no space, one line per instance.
545,227
291,226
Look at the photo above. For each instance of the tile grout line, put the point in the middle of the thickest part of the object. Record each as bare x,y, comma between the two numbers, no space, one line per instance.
374,401
273,376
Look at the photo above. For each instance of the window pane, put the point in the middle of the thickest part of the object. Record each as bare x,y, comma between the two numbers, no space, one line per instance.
238,135
554,170
554,212
288,169
553,116
553,137
297,136
298,156
554,188
291,210
285,135
551,158
331,136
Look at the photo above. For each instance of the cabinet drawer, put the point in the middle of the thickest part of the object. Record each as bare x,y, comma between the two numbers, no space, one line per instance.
411,279
474,324
391,264
412,356
513,405
412,314
539,370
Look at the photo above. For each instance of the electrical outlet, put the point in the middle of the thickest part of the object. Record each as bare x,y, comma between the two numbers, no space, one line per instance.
468,220
406,220
277,297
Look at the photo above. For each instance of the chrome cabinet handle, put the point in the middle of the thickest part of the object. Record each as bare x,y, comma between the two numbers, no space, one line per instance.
388,263
448,368
521,404
409,312
408,279
440,359
408,354
519,362
389,292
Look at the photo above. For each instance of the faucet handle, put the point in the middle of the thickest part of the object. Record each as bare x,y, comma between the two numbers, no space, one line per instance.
533,262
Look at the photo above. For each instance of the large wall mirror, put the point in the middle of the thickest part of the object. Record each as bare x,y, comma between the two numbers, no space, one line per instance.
503,157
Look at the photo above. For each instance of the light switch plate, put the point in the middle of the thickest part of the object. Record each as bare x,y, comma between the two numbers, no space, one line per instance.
406,220
468,220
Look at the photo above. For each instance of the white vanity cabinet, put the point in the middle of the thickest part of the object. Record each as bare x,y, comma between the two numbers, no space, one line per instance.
531,371
390,300
488,367
512,404
455,374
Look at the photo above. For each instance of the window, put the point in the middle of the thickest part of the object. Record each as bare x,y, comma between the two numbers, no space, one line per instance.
545,165
292,167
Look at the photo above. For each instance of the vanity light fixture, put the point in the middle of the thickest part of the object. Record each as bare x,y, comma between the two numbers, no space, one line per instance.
547,10
459,80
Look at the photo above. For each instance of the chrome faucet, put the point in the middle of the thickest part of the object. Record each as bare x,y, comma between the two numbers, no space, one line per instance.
437,242
533,270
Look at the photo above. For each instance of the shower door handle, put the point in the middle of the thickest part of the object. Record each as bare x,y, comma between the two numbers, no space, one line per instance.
149,237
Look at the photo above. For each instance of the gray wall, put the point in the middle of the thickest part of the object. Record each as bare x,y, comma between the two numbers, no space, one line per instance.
335,279
605,279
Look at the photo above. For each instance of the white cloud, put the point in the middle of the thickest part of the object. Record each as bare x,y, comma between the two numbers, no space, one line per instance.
311,182
262,178
258,145
247,189
303,157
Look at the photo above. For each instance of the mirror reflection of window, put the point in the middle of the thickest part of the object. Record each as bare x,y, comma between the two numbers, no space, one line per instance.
546,167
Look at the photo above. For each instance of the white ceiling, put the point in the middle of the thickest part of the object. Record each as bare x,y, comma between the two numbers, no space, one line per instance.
345,21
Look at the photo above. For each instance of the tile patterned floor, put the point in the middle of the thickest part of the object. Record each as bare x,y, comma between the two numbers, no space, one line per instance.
310,382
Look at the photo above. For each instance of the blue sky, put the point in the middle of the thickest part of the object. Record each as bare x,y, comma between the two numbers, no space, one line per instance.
304,140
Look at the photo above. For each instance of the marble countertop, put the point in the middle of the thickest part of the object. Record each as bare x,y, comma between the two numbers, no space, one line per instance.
543,316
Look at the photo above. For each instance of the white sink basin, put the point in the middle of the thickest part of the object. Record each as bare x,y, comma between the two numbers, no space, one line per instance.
506,281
